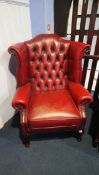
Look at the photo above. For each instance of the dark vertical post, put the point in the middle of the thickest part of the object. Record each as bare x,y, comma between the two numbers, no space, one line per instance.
83,20
96,93
74,19
61,14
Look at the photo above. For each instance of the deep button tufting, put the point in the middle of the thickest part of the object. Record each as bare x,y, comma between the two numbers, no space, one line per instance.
62,48
45,68
35,49
33,78
57,58
48,58
48,63
37,68
57,76
38,86
53,68
41,77
50,77
65,57
54,86
70,58
46,86
43,49
32,61
61,67
52,47
40,59
65,76
61,85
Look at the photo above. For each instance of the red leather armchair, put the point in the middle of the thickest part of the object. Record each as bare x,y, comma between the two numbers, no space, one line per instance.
49,94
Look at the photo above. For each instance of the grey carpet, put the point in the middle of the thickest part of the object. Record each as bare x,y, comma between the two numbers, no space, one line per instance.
50,155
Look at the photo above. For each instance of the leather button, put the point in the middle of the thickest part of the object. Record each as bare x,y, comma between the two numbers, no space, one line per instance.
48,59
40,59
53,67
32,61
54,86
43,49
45,68
57,58
65,76
61,85
57,76
52,48
65,57
33,78
38,86
35,50
46,87
37,68
62,48
61,67
41,77
50,77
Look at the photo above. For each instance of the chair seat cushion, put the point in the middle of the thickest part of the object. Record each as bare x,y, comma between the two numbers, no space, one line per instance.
53,109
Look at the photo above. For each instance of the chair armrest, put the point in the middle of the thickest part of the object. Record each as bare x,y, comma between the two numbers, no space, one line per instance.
22,96
80,95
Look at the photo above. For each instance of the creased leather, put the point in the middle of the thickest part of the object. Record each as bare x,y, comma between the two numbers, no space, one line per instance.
48,62
53,108
79,93
22,96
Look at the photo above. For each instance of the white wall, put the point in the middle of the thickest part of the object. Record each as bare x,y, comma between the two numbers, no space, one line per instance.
15,26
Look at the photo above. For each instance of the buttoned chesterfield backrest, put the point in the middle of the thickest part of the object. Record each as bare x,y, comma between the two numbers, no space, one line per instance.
47,61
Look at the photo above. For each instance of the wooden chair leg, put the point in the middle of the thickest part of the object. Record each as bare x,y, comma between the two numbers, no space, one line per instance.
26,140
79,136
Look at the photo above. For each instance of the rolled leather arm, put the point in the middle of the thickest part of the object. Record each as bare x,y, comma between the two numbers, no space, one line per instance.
22,96
80,95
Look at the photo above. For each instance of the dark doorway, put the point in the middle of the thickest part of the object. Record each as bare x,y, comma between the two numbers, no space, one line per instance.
61,14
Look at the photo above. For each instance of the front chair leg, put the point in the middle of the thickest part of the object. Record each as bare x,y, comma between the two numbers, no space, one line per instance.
25,137
26,140
79,135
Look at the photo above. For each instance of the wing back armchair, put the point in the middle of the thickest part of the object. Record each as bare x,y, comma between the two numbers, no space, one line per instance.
50,96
